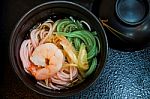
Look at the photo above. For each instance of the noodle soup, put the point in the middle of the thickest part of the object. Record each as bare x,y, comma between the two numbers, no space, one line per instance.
60,52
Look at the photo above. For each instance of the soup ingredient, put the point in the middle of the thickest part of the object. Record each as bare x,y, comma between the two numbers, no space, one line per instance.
89,48
60,54
70,51
47,56
87,38
68,25
92,67
66,77
82,58
25,51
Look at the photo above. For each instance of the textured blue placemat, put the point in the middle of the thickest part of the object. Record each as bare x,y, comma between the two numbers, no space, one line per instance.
125,76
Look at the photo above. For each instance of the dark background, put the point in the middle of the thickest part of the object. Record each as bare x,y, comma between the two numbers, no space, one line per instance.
125,76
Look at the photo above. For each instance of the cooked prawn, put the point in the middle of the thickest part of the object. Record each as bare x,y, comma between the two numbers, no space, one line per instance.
47,60
68,49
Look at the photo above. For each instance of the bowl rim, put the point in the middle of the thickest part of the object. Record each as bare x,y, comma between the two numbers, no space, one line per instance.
29,12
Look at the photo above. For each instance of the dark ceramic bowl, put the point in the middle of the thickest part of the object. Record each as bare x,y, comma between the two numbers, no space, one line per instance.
129,21
42,12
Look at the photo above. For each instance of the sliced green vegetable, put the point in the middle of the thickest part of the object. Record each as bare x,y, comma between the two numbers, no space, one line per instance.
87,38
92,67
85,42
70,27
94,33
77,43
70,39
82,58
79,25
61,25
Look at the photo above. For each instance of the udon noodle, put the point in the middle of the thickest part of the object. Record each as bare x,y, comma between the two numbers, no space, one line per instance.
60,54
